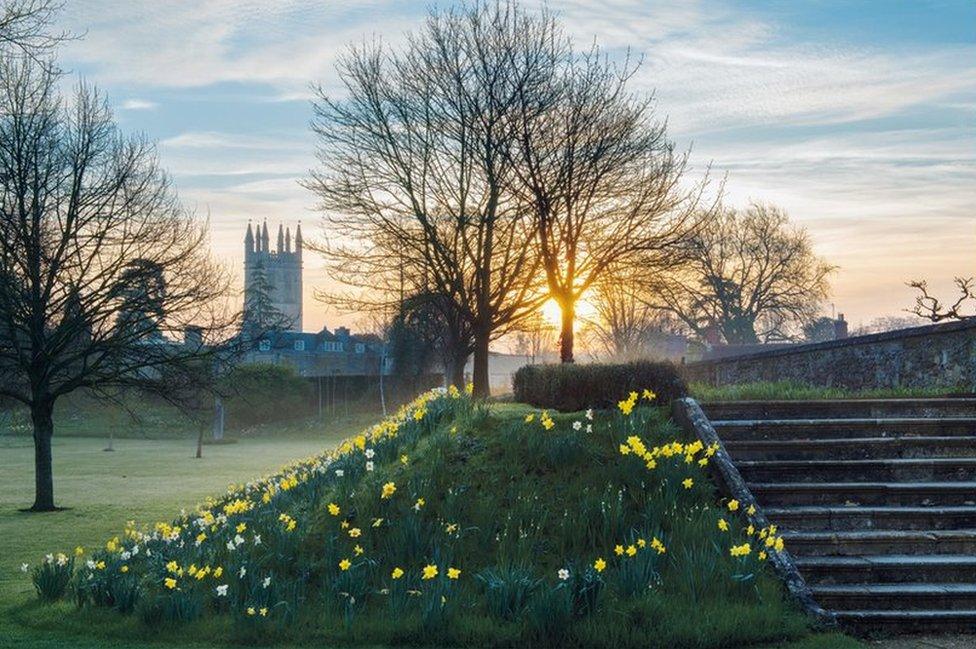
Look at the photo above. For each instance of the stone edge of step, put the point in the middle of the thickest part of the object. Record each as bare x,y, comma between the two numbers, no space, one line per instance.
689,415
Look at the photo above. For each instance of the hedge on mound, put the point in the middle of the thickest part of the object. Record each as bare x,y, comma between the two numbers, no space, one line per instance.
569,387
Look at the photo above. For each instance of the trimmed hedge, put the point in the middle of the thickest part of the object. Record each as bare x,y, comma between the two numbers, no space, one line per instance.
570,387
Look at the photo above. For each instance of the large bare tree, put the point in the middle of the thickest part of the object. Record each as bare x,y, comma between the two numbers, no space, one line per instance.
416,162
600,175
101,268
750,274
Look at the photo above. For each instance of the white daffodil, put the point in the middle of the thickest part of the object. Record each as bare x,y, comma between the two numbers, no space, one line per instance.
222,590
340,473
266,582
242,572
369,465
577,425
563,574
24,567
370,453
257,539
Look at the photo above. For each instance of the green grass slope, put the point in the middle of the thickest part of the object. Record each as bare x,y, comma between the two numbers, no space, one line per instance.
451,523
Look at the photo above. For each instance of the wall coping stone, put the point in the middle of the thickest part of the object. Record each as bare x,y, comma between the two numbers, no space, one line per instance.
869,339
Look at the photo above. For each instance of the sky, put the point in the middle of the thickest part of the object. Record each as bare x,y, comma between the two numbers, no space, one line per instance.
857,117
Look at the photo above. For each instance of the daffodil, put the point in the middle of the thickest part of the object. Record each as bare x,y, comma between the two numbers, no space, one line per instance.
429,572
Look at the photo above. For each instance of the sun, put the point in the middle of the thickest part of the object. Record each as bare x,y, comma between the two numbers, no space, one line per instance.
553,315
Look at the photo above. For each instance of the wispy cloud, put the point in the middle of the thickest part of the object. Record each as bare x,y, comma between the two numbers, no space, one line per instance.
870,144
138,104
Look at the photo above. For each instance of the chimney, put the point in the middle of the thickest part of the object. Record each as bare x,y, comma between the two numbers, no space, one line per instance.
840,327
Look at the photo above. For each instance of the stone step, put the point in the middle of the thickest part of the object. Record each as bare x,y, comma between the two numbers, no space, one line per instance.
841,408
858,543
889,569
897,597
787,429
927,469
844,519
864,493
887,622
848,449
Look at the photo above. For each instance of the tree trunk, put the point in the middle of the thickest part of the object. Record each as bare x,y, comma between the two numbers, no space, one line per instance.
481,388
566,334
455,369
42,416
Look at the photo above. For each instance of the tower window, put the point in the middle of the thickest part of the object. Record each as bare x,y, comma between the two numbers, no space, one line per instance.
264,346
299,345
360,348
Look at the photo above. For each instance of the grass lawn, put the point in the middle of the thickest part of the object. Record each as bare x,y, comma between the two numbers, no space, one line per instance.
793,391
147,480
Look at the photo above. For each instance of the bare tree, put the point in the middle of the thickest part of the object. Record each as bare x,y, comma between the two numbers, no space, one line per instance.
623,326
750,274
932,309
415,163
535,338
600,175
101,268
26,29
886,323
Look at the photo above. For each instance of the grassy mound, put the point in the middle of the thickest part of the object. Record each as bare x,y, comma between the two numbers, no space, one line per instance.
457,523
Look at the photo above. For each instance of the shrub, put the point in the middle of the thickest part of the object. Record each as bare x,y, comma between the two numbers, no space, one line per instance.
570,387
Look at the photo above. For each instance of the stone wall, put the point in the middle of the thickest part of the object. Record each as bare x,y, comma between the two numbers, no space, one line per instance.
933,355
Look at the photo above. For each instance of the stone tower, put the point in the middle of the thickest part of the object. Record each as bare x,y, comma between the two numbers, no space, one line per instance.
282,268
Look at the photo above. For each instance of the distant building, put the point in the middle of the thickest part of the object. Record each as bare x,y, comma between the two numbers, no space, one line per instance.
281,270
325,353
322,353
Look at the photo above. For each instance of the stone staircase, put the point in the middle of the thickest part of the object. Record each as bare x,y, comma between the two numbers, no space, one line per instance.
876,500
